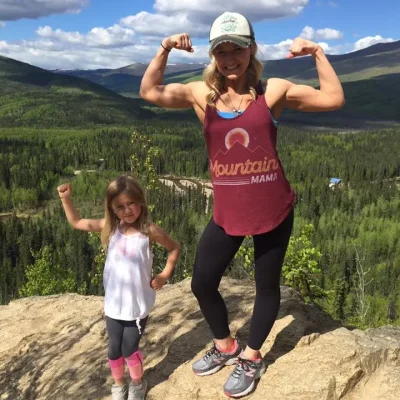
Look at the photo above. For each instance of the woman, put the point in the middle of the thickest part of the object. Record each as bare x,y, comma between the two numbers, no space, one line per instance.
251,193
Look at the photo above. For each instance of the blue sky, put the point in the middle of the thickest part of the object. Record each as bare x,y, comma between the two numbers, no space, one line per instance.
69,34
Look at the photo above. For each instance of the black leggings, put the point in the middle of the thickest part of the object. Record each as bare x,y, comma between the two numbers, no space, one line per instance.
123,337
214,253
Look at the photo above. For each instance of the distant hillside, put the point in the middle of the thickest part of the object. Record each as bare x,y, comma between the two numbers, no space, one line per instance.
31,96
370,77
126,80
381,58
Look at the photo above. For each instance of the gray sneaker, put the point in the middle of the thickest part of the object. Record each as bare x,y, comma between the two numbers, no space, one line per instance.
215,359
118,392
135,393
242,379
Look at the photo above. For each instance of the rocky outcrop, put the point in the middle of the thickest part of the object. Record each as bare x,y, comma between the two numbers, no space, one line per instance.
55,347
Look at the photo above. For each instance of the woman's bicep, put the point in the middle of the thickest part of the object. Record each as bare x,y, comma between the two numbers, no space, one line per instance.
307,98
173,95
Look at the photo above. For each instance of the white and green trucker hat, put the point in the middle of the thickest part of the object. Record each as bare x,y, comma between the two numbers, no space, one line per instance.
231,27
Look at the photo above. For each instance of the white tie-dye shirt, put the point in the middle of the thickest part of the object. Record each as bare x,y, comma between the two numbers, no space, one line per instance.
127,275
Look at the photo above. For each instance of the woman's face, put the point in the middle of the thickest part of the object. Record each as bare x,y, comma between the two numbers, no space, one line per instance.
232,60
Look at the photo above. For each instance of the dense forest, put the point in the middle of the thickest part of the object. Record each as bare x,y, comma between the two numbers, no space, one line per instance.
345,250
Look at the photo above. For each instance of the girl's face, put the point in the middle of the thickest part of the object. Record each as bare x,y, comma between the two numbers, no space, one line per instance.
232,60
126,209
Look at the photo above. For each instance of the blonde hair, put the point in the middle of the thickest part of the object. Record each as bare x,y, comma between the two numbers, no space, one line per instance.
216,81
129,185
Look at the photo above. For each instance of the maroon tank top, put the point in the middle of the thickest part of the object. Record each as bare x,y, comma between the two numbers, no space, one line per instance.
251,192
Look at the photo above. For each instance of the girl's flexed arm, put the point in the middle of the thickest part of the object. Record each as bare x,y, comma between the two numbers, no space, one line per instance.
173,95
73,217
173,248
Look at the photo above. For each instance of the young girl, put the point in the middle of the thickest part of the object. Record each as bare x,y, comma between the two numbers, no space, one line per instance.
251,193
127,232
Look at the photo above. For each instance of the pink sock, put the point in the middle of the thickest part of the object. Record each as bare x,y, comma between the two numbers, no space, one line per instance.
117,368
135,365
253,359
231,349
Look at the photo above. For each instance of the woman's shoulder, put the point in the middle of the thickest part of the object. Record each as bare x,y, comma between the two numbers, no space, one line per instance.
199,91
197,84
198,87
276,84
275,91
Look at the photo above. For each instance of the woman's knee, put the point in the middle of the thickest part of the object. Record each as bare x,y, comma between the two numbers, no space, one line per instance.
203,287
197,286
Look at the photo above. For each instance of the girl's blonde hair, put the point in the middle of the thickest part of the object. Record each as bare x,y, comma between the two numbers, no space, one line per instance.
129,185
216,81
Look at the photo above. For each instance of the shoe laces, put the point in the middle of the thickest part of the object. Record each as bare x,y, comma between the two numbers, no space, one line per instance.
213,351
243,365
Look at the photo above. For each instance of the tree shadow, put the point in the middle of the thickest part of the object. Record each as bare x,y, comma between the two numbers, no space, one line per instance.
87,374
185,347
308,319
175,334
34,357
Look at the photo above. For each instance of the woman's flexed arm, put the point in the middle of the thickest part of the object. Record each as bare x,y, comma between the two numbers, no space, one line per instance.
174,95
330,94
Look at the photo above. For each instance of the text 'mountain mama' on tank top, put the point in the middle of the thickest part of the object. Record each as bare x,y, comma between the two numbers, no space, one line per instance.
251,192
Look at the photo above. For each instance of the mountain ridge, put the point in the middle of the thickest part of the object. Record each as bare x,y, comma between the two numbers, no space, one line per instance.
370,78
32,96
283,67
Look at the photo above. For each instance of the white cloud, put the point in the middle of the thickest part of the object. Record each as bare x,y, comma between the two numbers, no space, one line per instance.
163,25
325,46
12,10
310,33
137,37
48,54
328,34
2,24
281,50
307,33
58,34
114,36
359,45
255,10
274,51
3,45
196,16
369,41
55,49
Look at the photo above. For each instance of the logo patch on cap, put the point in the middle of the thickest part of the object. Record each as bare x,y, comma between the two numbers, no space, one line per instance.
229,24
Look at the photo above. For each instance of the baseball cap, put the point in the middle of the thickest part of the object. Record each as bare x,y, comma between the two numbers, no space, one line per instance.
231,27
